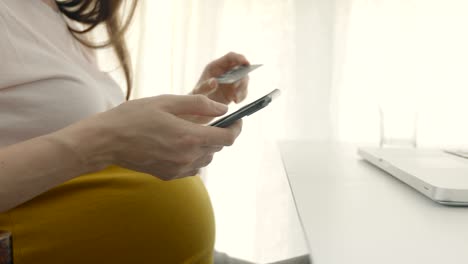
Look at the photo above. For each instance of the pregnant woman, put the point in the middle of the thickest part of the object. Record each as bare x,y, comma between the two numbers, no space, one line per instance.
85,175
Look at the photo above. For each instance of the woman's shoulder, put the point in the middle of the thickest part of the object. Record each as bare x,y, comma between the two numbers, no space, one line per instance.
29,13
30,32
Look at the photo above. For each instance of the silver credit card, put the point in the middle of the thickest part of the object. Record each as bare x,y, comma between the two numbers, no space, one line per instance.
236,73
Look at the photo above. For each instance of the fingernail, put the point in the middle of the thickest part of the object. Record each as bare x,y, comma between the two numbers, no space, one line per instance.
212,83
240,95
221,107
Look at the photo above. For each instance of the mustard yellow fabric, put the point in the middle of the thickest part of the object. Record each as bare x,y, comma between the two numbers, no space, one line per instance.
115,216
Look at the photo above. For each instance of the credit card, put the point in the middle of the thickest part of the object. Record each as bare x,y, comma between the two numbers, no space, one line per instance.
236,73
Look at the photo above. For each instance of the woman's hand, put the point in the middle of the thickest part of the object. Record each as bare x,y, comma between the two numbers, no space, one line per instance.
223,93
147,135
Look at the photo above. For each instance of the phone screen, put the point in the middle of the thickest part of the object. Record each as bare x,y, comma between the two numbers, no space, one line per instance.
246,110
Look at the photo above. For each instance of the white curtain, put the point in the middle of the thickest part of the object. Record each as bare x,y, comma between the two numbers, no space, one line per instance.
335,61
172,42
402,52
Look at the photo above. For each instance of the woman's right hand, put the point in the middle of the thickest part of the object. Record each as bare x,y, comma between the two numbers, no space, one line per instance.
147,135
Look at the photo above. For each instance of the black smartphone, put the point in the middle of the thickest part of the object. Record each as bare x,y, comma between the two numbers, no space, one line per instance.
246,110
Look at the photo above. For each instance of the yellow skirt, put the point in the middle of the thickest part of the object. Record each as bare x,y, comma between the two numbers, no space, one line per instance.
115,216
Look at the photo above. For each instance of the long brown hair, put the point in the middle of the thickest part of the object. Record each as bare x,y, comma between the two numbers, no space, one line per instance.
92,13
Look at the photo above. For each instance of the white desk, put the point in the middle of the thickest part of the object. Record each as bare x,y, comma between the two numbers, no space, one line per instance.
352,212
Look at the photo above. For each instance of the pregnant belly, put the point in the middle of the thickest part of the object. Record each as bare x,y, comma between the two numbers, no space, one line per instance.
115,216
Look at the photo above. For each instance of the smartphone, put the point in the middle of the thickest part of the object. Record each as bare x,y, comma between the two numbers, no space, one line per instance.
246,110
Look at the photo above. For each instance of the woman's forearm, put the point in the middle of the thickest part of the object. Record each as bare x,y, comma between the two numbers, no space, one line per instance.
144,135
35,166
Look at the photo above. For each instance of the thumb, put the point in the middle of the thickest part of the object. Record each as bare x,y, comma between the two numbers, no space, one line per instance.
207,86
194,105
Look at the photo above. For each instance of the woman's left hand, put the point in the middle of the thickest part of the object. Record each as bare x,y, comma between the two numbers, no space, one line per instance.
223,93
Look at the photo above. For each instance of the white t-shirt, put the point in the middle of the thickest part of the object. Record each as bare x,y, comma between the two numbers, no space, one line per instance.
47,81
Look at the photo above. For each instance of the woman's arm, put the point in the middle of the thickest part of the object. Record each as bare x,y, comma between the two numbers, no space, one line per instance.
32,167
144,135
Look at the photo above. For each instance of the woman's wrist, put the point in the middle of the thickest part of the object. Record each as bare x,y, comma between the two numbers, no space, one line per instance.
88,143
